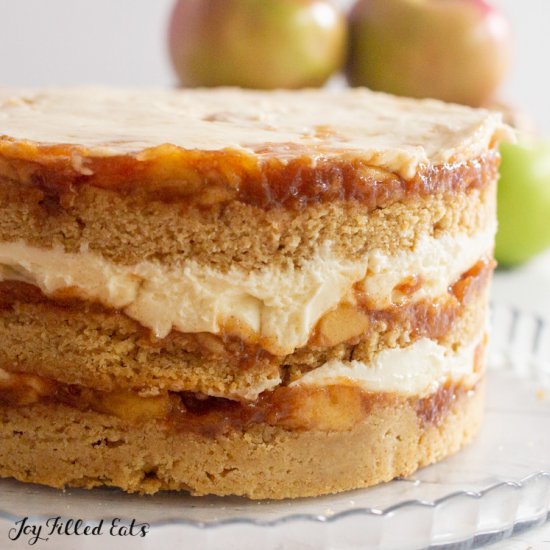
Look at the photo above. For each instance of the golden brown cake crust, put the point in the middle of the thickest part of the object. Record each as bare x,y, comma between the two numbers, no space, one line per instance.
59,446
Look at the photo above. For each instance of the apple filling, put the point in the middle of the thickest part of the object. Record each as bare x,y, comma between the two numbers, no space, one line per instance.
336,406
350,321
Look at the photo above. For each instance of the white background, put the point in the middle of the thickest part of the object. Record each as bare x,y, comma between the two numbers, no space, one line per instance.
123,42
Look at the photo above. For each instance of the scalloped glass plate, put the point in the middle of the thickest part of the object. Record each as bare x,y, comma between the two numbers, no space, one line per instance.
497,486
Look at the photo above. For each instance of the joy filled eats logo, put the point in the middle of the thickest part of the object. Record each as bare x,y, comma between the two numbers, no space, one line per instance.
34,532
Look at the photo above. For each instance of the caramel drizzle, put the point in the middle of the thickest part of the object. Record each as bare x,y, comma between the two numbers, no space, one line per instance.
324,408
170,174
428,318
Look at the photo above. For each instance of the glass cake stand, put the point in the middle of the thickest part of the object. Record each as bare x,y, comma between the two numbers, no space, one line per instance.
497,486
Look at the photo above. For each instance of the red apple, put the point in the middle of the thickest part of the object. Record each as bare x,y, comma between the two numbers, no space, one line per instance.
454,50
256,43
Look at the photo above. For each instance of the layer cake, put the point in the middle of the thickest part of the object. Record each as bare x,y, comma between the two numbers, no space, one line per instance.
271,294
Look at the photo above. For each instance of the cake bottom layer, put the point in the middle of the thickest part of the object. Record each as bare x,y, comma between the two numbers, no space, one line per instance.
57,445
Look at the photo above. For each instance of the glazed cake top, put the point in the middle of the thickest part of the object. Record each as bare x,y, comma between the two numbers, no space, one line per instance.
396,134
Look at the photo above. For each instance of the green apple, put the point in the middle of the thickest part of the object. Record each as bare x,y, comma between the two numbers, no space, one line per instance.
256,43
453,50
523,202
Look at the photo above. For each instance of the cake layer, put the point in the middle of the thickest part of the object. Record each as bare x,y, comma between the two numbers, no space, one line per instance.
128,228
78,343
335,396
267,277
59,445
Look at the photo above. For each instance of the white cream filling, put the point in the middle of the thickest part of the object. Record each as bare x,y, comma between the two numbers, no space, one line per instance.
437,262
417,370
277,307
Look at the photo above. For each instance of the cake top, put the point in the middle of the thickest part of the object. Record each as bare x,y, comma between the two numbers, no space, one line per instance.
397,134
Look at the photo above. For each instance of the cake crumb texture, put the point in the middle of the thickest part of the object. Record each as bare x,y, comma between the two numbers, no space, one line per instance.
59,446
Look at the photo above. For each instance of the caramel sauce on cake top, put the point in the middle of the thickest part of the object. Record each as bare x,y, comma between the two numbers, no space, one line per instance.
263,148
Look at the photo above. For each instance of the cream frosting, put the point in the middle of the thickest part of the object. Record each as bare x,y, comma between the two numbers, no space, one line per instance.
437,262
275,307
417,370
396,134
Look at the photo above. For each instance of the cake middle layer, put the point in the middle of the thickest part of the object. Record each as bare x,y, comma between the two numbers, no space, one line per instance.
274,307
81,343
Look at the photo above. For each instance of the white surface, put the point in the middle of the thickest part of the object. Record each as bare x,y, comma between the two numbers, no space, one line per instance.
533,539
528,85
62,42
526,287
123,42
